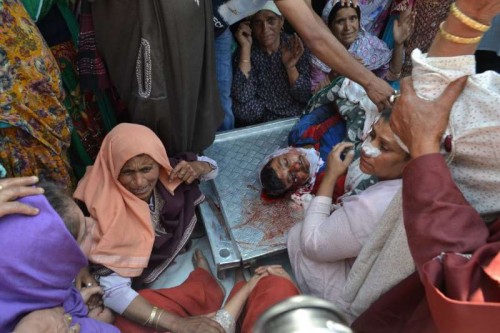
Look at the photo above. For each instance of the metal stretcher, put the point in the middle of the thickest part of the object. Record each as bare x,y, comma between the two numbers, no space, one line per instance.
242,226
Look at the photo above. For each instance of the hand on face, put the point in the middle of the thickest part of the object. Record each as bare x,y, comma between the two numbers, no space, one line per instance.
292,51
243,34
13,188
336,166
412,116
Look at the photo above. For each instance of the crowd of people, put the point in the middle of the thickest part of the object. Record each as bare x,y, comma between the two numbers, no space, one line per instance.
100,172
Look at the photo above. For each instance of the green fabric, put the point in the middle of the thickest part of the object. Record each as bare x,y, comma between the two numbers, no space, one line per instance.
38,8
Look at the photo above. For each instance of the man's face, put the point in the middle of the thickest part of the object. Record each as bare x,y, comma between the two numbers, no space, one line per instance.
291,168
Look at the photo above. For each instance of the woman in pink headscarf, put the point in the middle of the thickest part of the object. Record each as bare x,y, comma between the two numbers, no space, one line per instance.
144,203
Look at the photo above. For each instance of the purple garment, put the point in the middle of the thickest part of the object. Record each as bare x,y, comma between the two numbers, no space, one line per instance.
39,260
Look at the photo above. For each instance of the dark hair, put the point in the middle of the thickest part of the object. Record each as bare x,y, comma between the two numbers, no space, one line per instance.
272,186
338,6
60,199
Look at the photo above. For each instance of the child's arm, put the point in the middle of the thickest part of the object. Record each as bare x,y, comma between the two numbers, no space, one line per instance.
234,305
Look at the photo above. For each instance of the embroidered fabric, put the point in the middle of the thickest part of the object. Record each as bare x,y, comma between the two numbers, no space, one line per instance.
143,69
156,204
225,319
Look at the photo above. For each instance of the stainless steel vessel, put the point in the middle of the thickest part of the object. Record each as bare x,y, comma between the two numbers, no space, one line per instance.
304,314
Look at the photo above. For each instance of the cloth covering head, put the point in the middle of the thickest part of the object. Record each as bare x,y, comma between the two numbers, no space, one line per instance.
269,5
373,51
39,261
123,237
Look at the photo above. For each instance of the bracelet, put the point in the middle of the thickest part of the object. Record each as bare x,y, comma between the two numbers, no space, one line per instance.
290,67
151,316
456,39
471,23
158,318
244,60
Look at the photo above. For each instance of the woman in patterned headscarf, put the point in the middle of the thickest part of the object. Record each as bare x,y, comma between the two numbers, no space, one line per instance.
345,23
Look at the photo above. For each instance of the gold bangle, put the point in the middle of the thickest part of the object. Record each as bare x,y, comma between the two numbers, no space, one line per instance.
244,60
158,318
471,23
152,316
456,39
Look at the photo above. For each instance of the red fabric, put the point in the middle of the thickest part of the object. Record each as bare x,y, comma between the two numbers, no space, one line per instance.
454,294
198,295
269,291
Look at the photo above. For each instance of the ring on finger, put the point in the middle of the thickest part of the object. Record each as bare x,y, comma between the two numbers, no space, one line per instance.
394,96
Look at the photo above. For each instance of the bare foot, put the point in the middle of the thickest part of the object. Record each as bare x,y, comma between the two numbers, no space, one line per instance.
200,261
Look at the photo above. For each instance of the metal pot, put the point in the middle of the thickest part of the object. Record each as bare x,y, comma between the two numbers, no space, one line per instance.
302,314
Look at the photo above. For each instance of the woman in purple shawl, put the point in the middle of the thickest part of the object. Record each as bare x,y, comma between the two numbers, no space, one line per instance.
39,260
345,23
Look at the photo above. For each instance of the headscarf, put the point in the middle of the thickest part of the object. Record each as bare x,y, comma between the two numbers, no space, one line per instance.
372,50
123,237
39,260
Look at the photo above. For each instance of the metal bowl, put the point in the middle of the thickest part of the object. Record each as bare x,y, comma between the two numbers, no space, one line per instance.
302,314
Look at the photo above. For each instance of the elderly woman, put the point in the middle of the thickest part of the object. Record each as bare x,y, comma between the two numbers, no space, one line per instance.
373,53
271,79
144,204
323,247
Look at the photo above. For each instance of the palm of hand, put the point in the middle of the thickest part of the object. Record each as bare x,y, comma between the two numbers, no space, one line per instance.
401,32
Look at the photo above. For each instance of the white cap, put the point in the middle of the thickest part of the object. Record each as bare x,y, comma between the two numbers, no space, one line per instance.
271,7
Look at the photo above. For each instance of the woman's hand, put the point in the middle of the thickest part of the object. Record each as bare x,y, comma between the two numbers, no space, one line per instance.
292,51
47,321
419,123
243,35
103,314
13,188
197,324
335,166
92,296
480,10
85,280
403,27
190,171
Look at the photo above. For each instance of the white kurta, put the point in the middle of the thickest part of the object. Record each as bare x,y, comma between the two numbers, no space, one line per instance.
322,249
474,125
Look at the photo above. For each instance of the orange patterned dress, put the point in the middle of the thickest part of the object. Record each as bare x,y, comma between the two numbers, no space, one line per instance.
35,128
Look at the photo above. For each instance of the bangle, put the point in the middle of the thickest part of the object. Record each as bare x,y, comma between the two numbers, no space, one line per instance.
290,67
471,23
158,318
456,39
151,316
245,61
